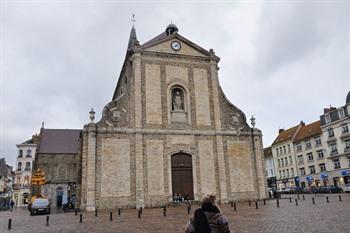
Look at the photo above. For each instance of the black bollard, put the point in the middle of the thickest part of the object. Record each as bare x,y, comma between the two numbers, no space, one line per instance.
119,211
256,205
139,213
47,220
264,201
327,199
278,203
231,204
164,211
296,202
234,206
250,203
290,199
110,216
303,197
339,197
189,209
141,209
313,200
9,224
96,213
81,218
75,212
298,197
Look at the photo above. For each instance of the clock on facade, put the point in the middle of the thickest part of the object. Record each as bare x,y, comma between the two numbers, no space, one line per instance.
175,45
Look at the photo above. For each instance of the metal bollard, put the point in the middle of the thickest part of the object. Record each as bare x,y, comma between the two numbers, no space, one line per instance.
313,200
110,216
231,204
298,197
164,211
256,205
303,197
278,203
81,218
96,213
296,202
327,199
339,197
9,224
189,209
234,206
119,211
139,213
290,199
141,209
264,201
47,220
75,212
250,203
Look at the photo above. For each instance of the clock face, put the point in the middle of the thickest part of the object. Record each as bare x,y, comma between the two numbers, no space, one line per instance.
175,45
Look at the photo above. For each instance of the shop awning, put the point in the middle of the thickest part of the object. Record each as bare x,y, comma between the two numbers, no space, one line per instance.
345,172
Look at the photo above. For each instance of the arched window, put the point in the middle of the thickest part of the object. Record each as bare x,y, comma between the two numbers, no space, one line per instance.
19,166
27,166
20,153
29,153
26,180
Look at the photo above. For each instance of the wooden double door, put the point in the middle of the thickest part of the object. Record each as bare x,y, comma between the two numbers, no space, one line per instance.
182,175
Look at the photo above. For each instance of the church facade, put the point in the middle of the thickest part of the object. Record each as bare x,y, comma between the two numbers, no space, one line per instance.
169,129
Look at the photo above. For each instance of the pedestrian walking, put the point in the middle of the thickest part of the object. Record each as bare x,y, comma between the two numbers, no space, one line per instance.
208,218
12,204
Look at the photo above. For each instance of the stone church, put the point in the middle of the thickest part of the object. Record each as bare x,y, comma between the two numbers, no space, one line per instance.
169,129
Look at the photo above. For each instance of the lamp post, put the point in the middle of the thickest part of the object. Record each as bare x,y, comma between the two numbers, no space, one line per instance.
92,115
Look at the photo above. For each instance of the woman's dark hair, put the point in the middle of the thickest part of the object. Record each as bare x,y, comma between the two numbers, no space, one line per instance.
201,224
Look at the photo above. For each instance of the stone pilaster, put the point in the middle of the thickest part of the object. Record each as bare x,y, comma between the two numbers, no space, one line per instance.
138,135
219,141
91,168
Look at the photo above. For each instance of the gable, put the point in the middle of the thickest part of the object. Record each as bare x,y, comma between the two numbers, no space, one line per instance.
162,43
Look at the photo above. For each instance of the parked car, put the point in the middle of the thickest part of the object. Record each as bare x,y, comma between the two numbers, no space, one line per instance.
334,189
295,190
346,188
40,205
283,190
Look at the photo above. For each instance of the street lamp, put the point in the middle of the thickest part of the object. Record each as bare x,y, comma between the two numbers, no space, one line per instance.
92,115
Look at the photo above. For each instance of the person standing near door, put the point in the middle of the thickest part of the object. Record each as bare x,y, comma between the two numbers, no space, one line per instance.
208,218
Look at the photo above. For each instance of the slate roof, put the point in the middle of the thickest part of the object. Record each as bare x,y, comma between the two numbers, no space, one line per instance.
286,135
156,39
59,141
308,131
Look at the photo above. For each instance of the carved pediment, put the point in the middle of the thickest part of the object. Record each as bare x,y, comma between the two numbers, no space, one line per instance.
115,113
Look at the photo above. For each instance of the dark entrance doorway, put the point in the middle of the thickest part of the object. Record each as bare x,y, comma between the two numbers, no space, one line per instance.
182,177
59,197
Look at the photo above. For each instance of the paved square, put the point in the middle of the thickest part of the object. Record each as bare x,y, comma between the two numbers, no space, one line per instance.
322,217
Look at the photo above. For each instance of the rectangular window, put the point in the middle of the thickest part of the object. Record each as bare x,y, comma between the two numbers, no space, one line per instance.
310,156
289,151
318,141
347,146
320,154
327,118
284,150
284,173
279,162
336,164
282,161
322,167
277,152
345,128
330,132
341,113
290,160
292,172
280,174
300,159
312,169
307,144
299,148
334,149
271,171
287,172
302,171
286,161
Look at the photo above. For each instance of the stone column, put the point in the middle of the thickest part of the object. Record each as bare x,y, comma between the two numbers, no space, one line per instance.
260,166
91,168
219,142
138,132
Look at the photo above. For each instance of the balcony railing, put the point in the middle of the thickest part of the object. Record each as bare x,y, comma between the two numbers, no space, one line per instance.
346,149
334,152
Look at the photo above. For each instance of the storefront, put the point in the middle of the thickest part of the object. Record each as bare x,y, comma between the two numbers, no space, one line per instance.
346,176
324,178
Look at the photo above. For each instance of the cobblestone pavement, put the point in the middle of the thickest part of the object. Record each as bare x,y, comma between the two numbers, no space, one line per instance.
322,217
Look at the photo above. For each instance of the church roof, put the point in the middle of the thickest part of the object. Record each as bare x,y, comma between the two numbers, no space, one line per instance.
59,141
132,38
155,40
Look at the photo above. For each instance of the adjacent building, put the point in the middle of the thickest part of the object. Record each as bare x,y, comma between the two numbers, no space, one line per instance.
6,183
25,159
58,157
269,168
169,129
317,154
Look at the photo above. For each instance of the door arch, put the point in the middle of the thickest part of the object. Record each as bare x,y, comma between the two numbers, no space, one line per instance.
182,175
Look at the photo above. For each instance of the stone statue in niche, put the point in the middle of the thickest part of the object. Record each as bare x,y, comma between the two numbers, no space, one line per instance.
177,97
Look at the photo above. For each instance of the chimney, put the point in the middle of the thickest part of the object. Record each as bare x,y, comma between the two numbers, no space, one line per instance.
302,123
280,131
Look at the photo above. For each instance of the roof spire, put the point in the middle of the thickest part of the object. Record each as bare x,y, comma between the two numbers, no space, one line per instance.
132,39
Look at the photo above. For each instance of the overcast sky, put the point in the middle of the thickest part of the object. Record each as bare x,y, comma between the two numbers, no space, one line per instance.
282,62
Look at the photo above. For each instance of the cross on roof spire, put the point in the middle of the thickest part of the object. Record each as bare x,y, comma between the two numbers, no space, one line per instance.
133,20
